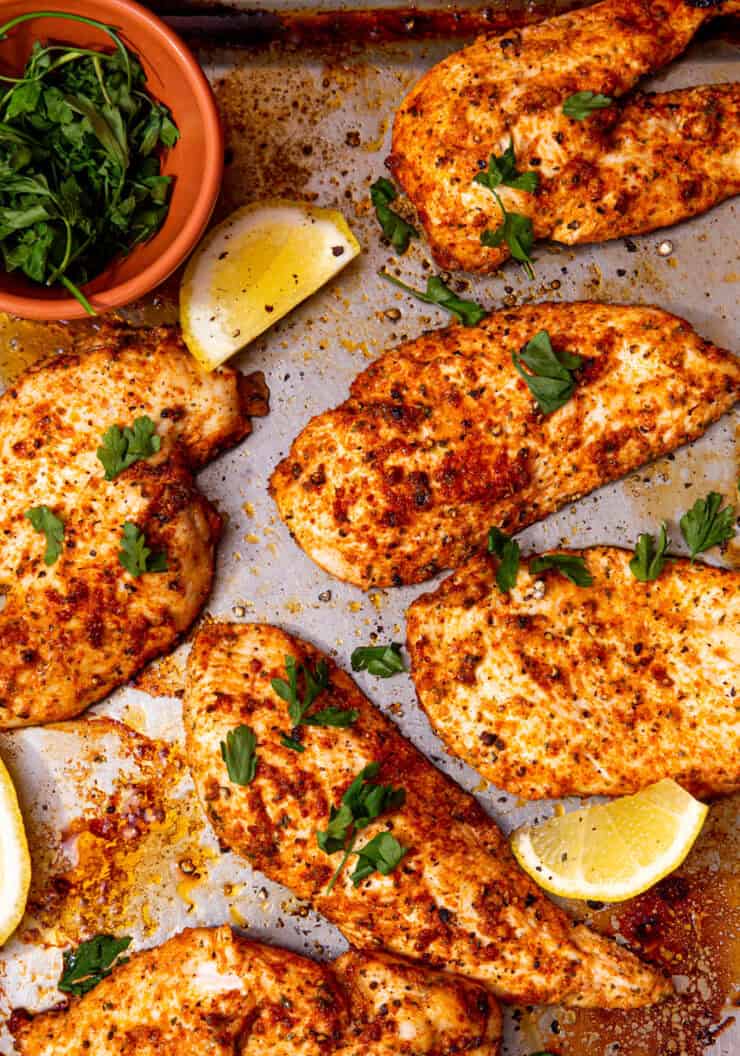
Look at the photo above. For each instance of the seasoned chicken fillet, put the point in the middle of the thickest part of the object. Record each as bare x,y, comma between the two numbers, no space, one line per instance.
642,163
441,438
72,631
585,691
457,899
210,992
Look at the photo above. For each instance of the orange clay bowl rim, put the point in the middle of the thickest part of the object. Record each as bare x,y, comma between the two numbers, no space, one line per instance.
212,173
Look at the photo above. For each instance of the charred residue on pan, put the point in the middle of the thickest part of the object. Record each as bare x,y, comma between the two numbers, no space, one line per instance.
119,850
689,925
225,25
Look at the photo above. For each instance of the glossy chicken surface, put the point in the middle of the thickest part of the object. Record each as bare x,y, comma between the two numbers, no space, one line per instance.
457,899
72,631
441,438
210,992
559,690
646,161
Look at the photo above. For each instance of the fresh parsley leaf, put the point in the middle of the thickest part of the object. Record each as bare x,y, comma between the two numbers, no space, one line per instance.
503,171
650,560
331,717
361,804
92,961
135,555
706,525
469,313
315,682
121,448
380,660
581,105
517,232
569,565
45,520
515,229
292,743
383,853
550,374
507,551
239,752
398,232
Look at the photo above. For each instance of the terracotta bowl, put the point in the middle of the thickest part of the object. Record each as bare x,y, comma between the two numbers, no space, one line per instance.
196,161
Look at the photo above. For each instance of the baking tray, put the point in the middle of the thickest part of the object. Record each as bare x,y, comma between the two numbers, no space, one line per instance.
119,841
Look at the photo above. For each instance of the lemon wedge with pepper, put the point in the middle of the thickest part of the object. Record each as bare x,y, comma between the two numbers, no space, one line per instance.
250,270
15,861
612,851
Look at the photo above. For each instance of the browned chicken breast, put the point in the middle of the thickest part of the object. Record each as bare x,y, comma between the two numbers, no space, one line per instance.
557,690
442,438
210,992
457,898
639,164
73,630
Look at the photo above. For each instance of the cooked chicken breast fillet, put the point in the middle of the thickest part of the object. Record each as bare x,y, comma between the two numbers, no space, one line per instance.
644,162
585,691
210,992
73,631
458,899
441,437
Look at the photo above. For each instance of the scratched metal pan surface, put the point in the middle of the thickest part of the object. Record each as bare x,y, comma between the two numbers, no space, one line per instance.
119,842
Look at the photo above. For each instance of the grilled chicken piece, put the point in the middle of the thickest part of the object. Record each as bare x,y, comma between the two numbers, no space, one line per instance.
458,899
584,691
642,163
73,631
210,992
441,438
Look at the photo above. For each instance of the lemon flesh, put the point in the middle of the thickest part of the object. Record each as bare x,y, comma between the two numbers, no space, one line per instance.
615,850
15,862
253,268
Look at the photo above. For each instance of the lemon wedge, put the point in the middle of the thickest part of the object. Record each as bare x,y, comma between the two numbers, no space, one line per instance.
15,862
615,850
253,268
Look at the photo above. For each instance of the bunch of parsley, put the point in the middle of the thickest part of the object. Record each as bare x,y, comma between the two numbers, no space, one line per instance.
80,180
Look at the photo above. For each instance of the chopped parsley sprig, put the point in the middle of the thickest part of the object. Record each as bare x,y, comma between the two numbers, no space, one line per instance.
571,566
650,557
581,105
397,230
515,229
380,660
46,521
135,556
314,683
361,804
469,313
91,962
507,551
121,448
550,374
239,752
502,171
706,525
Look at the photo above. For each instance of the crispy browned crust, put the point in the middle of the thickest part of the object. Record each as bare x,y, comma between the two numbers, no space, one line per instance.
441,438
72,632
584,691
643,163
211,991
458,899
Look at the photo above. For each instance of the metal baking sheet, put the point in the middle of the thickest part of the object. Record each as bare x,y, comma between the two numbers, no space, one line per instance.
119,842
